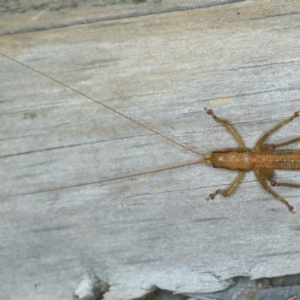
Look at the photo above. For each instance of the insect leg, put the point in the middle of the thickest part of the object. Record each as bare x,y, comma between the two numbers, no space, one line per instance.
274,146
269,190
278,126
268,174
275,183
228,192
229,127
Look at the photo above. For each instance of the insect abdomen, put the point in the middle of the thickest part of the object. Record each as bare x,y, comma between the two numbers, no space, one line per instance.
282,159
246,159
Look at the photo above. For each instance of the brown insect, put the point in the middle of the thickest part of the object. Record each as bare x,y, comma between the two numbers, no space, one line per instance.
262,159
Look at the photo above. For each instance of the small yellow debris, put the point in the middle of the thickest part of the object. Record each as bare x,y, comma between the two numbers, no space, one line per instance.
221,100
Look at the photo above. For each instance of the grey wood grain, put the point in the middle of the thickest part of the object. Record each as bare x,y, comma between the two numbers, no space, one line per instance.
41,15
78,188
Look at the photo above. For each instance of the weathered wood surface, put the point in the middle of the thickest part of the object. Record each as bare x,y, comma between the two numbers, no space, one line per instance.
77,194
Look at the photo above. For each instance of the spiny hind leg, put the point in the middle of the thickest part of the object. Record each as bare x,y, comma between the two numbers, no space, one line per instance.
275,183
229,127
268,174
270,191
293,141
278,126
228,192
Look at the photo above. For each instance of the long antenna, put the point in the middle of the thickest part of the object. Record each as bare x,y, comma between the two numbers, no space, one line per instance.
105,180
108,107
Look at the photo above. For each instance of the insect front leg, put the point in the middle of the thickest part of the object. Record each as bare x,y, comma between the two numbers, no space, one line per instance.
278,126
228,192
270,191
229,127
